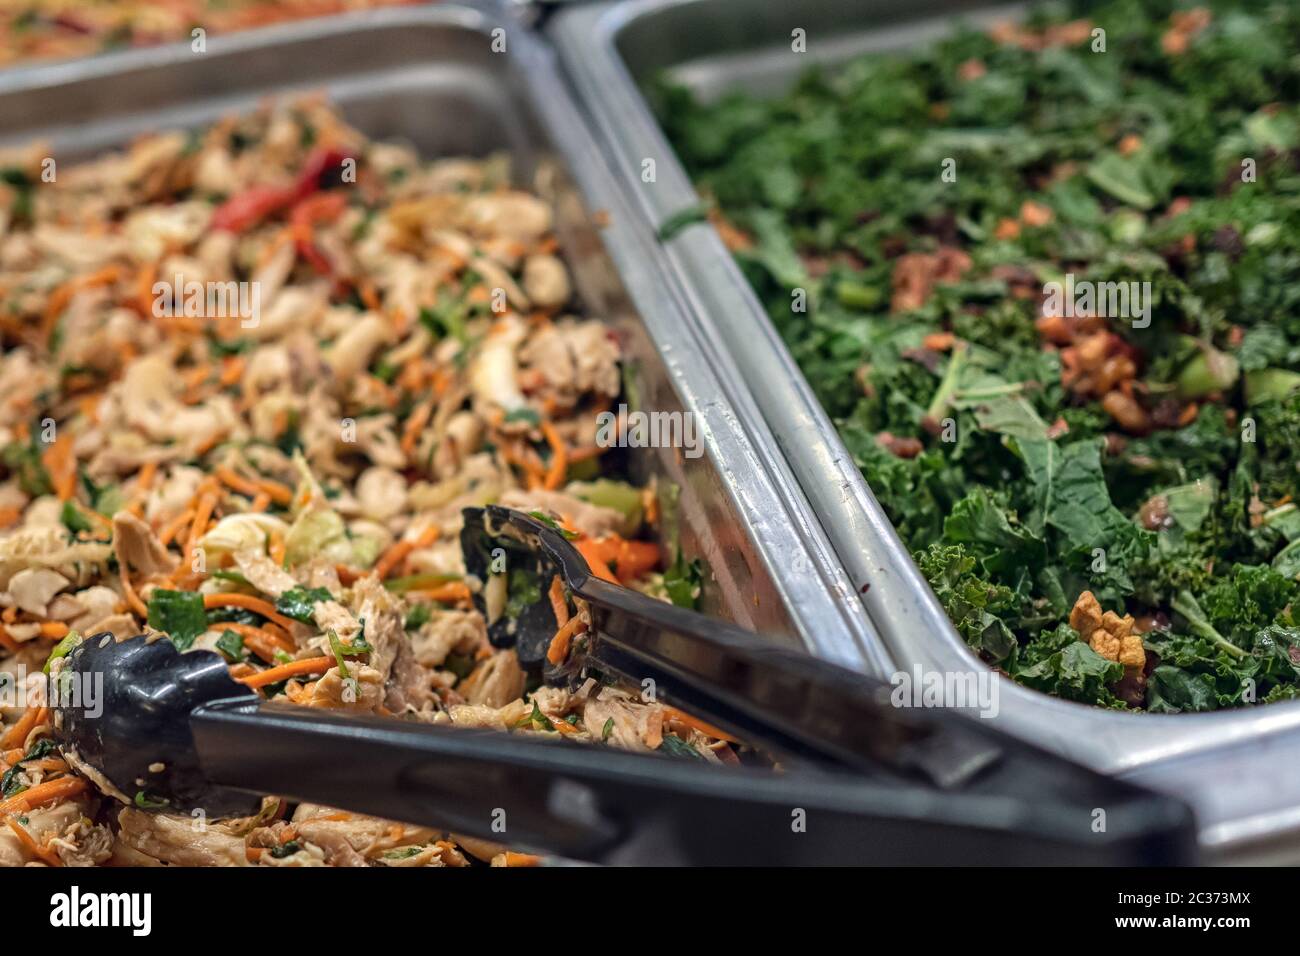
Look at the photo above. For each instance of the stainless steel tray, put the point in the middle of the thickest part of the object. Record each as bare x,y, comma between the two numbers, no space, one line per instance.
429,76
1240,770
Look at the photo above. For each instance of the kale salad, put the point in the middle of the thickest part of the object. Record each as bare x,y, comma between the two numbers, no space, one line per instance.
1045,278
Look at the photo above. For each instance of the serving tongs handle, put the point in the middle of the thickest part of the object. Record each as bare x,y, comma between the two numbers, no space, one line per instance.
597,804
786,702
177,731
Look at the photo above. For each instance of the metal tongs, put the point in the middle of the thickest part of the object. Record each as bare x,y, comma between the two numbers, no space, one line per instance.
860,780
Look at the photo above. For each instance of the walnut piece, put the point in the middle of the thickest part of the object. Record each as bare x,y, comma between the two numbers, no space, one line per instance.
1107,633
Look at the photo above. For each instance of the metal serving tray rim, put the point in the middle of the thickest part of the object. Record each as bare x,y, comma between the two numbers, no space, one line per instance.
744,471
899,600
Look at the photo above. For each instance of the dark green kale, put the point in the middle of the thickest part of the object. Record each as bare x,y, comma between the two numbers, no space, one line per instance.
914,304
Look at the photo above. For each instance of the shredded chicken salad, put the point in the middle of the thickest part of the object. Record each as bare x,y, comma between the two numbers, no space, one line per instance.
53,29
250,377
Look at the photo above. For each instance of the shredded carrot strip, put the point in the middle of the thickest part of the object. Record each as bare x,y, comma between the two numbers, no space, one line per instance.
415,423
273,675
534,474
558,605
210,442
41,853
169,530
632,558
144,478
672,713
590,550
8,643
253,487
411,377
559,649
61,296
194,378
29,721
55,630
59,789
559,457
236,482
275,549
132,598
61,463
144,283
232,369
280,494
262,641
202,514
261,502
247,601
453,592
369,296
143,481
522,859
89,406
650,502
400,549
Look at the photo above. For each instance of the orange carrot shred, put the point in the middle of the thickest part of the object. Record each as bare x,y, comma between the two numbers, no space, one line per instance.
273,675
47,792
559,649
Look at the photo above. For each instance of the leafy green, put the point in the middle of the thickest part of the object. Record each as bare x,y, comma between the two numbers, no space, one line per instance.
523,590
24,463
9,785
145,802
550,522
683,580
674,746
62,649
300,602
979,609
231,644
418,616
1016,486
72,518
1059,663
178,614
447,320
536,719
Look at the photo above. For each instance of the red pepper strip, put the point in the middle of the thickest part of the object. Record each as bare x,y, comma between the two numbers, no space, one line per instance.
74,23
318,164
253,205
250,207
322,207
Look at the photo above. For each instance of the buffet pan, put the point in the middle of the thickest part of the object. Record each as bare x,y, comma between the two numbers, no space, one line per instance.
1240,770
430,76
